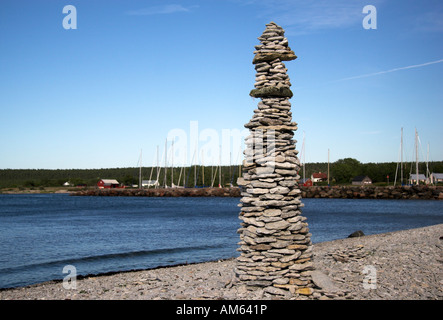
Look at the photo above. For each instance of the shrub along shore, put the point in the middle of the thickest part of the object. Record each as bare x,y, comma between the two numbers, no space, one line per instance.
343,192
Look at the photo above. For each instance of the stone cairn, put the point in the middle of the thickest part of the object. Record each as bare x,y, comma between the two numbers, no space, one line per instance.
275,246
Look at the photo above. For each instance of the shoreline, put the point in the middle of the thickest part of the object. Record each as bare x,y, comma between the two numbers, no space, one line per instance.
422,192
407,264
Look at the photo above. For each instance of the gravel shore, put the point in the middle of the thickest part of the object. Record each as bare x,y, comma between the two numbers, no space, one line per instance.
397,265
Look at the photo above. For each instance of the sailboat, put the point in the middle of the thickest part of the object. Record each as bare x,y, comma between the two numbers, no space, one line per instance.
306,182
417,177
413,178
401,162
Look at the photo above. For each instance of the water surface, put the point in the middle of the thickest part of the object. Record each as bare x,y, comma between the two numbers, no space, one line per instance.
42,233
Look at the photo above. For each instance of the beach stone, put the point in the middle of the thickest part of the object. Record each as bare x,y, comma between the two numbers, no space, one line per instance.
275,291
272,212
271,91
271,196
257,191
355,234
297,247
279,190
291,257
278,225
262,171
265,239
282,251
280,244
280,281
254,222
323,281
296,226
302,266
265,231
269,219
261,247
260,184
250,209
304,291
270,56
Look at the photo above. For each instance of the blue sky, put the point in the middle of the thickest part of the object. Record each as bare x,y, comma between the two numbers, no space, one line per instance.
135,71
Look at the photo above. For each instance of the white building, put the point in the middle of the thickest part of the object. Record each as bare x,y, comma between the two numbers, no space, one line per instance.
413,178
436,177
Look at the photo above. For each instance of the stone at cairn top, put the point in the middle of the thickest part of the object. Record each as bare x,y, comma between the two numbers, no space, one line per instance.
272,80
273,45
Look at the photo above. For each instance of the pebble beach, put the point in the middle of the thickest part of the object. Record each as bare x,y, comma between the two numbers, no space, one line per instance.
401,265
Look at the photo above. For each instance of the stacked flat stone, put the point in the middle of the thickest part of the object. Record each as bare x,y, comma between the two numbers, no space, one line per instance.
275,246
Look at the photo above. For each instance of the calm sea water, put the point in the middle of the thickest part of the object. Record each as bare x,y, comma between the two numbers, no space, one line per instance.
40,234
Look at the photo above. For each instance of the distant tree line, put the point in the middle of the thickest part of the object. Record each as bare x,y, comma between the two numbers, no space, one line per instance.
189,176
340,172
344,170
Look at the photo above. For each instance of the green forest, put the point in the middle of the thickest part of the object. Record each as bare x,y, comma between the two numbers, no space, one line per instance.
340,172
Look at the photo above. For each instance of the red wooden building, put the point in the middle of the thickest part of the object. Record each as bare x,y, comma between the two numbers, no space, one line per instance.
307,183
319,176
108,184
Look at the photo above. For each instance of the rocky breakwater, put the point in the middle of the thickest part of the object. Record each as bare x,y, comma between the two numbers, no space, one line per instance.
162,192
421,192
275,246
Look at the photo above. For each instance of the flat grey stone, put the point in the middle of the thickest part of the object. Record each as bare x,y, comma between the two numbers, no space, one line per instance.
322,281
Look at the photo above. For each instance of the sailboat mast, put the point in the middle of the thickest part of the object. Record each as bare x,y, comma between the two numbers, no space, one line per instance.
172,165
401,158
140,186
304,158
166,153
179,177
158,173
213,177
230,169
416,155
328,167
427,165
150,176
203,171
219,173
